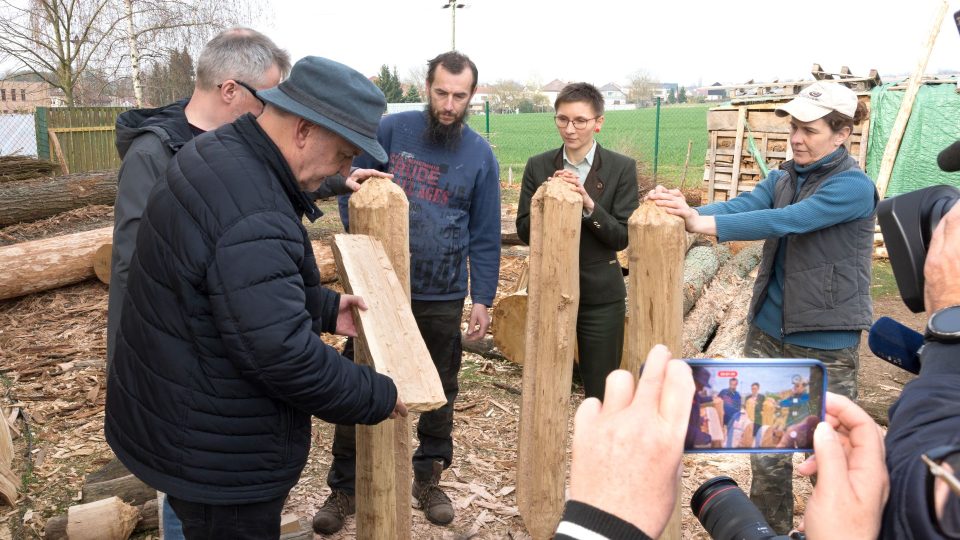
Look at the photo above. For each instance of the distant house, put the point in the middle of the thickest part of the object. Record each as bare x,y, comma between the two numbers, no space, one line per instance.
552,90
23,95
482,94
663,90
716,95
613,94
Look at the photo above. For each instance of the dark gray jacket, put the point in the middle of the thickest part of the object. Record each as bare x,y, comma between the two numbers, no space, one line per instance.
146,140
827,271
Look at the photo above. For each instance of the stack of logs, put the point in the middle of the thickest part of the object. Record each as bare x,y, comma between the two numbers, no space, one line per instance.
718,283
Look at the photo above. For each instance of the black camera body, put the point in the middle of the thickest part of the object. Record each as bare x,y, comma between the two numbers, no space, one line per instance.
907,222
727,514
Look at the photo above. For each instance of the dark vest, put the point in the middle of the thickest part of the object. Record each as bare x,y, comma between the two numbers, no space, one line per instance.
826,272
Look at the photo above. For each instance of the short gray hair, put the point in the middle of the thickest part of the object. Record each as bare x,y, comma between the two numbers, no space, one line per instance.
239,54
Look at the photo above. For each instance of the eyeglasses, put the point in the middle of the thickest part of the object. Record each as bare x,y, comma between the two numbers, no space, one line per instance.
943,489
578,123
252,90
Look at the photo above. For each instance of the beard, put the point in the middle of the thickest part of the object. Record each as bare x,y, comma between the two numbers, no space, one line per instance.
445,135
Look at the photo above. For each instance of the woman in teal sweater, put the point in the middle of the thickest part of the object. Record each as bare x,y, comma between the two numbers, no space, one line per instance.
811,298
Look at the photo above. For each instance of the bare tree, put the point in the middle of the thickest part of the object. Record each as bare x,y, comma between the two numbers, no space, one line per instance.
59,40
155,28
417,77
642,86
507,95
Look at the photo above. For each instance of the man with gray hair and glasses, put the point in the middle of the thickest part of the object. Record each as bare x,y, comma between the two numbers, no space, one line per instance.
232,67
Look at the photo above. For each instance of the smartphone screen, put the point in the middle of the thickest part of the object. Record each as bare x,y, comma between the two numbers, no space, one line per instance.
755,405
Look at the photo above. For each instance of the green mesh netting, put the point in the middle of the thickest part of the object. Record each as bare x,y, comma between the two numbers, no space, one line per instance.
934,124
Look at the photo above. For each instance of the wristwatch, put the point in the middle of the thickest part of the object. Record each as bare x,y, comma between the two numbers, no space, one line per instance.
944,325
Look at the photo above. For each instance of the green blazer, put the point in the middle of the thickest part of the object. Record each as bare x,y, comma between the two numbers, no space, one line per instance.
612,184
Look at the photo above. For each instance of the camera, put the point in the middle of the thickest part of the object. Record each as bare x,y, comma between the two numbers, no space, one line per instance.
907,222
727,514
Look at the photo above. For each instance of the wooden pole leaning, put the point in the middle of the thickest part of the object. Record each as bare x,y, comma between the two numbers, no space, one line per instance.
556,212
658,245
380,209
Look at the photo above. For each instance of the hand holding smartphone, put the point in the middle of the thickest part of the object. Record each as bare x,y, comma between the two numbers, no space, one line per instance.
755,405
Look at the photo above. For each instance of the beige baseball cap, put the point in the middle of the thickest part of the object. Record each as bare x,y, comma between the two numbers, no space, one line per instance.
818,100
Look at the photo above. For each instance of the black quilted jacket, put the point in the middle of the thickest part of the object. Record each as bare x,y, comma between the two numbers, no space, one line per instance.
218,362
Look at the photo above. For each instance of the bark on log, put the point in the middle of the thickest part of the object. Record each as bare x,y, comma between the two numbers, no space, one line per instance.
56,527
699,267
703,319
384,470
113,469
556,213
732,333
37,199
39,265
107,519
129,488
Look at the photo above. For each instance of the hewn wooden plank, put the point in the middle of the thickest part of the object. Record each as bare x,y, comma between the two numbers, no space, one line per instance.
555,216
387,326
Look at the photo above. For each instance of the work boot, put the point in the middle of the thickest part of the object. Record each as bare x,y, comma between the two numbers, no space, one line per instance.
330,517
431,499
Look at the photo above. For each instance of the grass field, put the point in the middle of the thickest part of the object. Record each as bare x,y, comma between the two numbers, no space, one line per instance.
516,137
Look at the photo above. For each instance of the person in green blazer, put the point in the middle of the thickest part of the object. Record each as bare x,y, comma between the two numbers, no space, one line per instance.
607,181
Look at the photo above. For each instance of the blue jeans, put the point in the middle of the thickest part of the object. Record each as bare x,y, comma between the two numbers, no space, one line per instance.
172,528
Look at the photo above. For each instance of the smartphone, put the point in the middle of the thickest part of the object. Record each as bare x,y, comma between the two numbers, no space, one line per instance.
759,405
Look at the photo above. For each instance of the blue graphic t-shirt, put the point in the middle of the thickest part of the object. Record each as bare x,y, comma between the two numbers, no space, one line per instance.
454,200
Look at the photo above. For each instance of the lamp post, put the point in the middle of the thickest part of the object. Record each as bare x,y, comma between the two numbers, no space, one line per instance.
454,6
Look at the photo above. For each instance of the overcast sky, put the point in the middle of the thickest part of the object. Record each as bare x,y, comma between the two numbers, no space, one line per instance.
687,41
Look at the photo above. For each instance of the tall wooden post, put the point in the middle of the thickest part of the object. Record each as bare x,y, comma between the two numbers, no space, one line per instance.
658,245
548,365
384,470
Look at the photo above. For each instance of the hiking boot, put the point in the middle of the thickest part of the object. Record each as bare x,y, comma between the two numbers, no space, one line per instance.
330,517
431,499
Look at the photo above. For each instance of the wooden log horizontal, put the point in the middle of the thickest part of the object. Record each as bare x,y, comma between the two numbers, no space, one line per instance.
699,267
387,326
56,527
40,265
31,200
128,488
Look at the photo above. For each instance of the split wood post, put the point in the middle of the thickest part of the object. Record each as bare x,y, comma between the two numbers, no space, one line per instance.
657,244
554,284
380,209
906,106
40,265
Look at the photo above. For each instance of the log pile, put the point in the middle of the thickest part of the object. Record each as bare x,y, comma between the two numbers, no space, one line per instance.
716,280
30,200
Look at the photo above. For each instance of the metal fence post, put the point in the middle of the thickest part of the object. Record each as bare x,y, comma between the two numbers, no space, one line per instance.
43,138
656,142
486,111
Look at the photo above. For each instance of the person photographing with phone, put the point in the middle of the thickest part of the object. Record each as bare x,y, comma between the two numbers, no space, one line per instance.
811,298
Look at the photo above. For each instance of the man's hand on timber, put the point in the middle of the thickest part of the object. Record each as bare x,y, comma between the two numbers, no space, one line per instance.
399,410
479,322
346,326
358,176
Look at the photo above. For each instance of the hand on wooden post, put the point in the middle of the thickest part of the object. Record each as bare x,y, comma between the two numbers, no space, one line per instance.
852,485
574,180
346,326
358,176
675,203
627,450
479,322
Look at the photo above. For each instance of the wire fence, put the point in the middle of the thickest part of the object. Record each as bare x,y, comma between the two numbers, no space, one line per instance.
669,142
18,136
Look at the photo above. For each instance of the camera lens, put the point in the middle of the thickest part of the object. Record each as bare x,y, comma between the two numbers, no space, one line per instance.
726,513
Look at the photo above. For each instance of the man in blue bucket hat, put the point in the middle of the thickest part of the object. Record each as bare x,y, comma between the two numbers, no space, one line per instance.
218,364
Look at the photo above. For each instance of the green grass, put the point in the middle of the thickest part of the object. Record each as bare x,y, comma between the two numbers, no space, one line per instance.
516,137
884,284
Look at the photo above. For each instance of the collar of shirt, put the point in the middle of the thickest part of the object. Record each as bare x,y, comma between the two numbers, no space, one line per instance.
582,168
